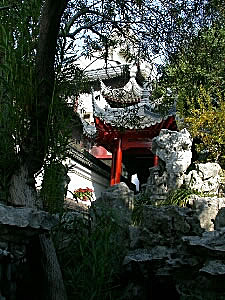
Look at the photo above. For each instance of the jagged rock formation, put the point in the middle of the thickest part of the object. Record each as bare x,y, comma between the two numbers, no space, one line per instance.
178,252
119,198
27,218
171,254
206,209
174,150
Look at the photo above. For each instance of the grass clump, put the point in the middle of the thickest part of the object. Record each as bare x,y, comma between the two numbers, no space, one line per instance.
89,257
178,197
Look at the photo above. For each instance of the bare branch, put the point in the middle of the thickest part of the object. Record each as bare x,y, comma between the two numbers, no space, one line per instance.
80,13
88,26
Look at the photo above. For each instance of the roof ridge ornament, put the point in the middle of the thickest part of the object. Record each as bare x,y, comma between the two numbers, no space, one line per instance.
145,93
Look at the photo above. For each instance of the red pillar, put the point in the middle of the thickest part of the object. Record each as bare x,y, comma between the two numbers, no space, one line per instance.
112,178
155,161
118,162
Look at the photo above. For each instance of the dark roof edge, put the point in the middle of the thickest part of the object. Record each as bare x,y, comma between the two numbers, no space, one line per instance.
88,160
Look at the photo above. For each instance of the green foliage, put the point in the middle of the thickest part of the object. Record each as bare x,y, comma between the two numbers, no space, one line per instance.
146,26
206,123
53,187
194,80
200,63
89,256
18,31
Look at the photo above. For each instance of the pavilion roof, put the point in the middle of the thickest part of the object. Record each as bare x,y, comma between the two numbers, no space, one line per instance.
138,116
107,73
134,117
113,87
135,111
131,93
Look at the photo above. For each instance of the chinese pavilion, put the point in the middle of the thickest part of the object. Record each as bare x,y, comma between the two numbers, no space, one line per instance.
126,126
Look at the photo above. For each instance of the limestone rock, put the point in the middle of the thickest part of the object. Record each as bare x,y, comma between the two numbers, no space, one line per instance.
118,195
206,209
157,186
214,267
189,267
118,198
211,244
206,178
170,221
134,235
220,218
25,220
115,205
174,148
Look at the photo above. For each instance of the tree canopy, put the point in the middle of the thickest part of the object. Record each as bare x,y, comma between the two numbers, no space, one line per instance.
194,79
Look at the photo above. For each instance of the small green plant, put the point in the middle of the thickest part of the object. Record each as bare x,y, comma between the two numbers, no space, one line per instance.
140,201
178,197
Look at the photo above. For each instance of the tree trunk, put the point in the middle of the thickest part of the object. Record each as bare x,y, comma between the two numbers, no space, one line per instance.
55,289
35,146
23,193
21,190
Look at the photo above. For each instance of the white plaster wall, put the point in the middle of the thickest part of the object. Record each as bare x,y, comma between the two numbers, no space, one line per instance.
38,179
81,177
